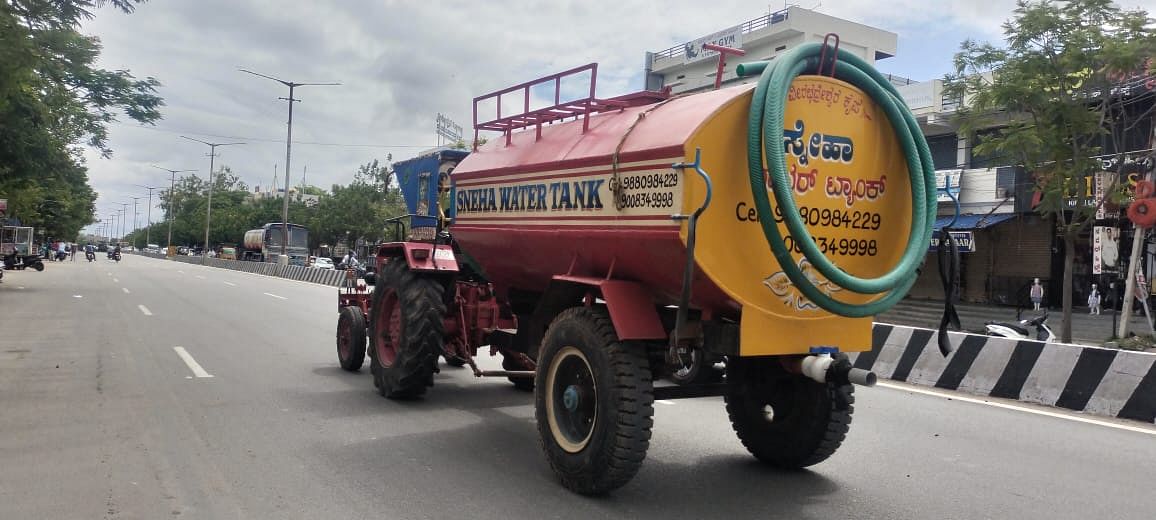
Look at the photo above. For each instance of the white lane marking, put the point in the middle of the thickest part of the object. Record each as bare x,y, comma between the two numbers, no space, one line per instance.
115,280
275,296
110,274
192,363
20,287
1076,418
663,401
180,271
230,284
77,296
145,310
201,277
125,289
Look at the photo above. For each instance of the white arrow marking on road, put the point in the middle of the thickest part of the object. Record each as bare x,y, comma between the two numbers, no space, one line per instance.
145,310
231,284
125,289
192,363
275,296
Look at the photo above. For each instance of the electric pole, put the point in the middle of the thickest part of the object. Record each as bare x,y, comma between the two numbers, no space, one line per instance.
169,210
209,203
288,154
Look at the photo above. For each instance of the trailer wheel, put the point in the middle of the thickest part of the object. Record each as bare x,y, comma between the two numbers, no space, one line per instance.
595,403
351,338
786,420
405,332
700,371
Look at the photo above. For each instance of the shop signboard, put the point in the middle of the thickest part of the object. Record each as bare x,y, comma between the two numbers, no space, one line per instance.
1105,249
964,240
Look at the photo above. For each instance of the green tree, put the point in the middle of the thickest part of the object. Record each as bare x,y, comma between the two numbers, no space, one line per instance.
54,99
1058,92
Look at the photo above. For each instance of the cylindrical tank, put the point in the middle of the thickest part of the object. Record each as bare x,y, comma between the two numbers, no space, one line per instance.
541,207
254,239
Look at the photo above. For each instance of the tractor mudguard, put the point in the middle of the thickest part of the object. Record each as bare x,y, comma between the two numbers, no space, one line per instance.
421,256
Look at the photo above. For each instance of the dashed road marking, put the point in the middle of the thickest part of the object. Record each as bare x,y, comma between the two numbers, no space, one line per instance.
77,296
145,310
201,277
125,289
197,369
664,401
275,296
231,284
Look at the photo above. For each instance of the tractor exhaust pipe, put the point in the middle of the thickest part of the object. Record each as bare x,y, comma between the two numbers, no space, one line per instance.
823,368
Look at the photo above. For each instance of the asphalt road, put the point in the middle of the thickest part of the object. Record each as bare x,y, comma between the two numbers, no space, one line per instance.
100,417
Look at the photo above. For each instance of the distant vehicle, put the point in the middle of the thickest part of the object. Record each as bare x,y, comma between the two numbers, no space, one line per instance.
264,244
228,253
323,263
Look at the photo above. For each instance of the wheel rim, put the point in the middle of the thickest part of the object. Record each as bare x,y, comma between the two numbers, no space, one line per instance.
571,400
778,402
686,371
387,337
343,337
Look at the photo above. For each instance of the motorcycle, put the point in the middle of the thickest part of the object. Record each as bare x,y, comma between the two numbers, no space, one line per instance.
18,262
116,255
1019,331
90,256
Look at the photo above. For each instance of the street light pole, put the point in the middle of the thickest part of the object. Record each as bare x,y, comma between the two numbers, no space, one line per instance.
124,213
148,214
209,202
169,210
288,153
135,221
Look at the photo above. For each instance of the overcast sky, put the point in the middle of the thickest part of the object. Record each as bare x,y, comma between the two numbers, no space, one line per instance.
402,62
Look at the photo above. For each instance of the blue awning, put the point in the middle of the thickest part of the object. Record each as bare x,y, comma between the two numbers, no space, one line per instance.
973,221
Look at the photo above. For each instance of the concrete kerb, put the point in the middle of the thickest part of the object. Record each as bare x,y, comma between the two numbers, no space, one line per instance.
1108,382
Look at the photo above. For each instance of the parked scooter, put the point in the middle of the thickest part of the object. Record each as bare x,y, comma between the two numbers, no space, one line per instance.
18,262
1019,331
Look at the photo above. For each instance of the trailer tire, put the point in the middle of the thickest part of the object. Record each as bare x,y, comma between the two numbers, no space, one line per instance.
595,403
351,338
700,371
807,420
406,332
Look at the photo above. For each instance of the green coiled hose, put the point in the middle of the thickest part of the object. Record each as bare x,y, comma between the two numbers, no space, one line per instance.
765,136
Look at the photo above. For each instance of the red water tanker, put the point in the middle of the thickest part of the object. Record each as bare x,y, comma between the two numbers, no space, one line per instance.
600,245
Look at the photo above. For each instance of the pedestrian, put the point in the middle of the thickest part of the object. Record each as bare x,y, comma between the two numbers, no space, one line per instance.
1037,294
72,252
1094,301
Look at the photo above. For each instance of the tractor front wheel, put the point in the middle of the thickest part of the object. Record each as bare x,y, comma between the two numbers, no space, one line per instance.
595,403
351,338
786,420
406,331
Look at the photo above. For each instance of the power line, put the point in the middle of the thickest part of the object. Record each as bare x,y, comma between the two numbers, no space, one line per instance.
277,141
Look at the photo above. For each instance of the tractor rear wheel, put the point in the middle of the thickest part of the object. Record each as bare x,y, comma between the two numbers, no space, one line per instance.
786,420
351,338
595,403
406,331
